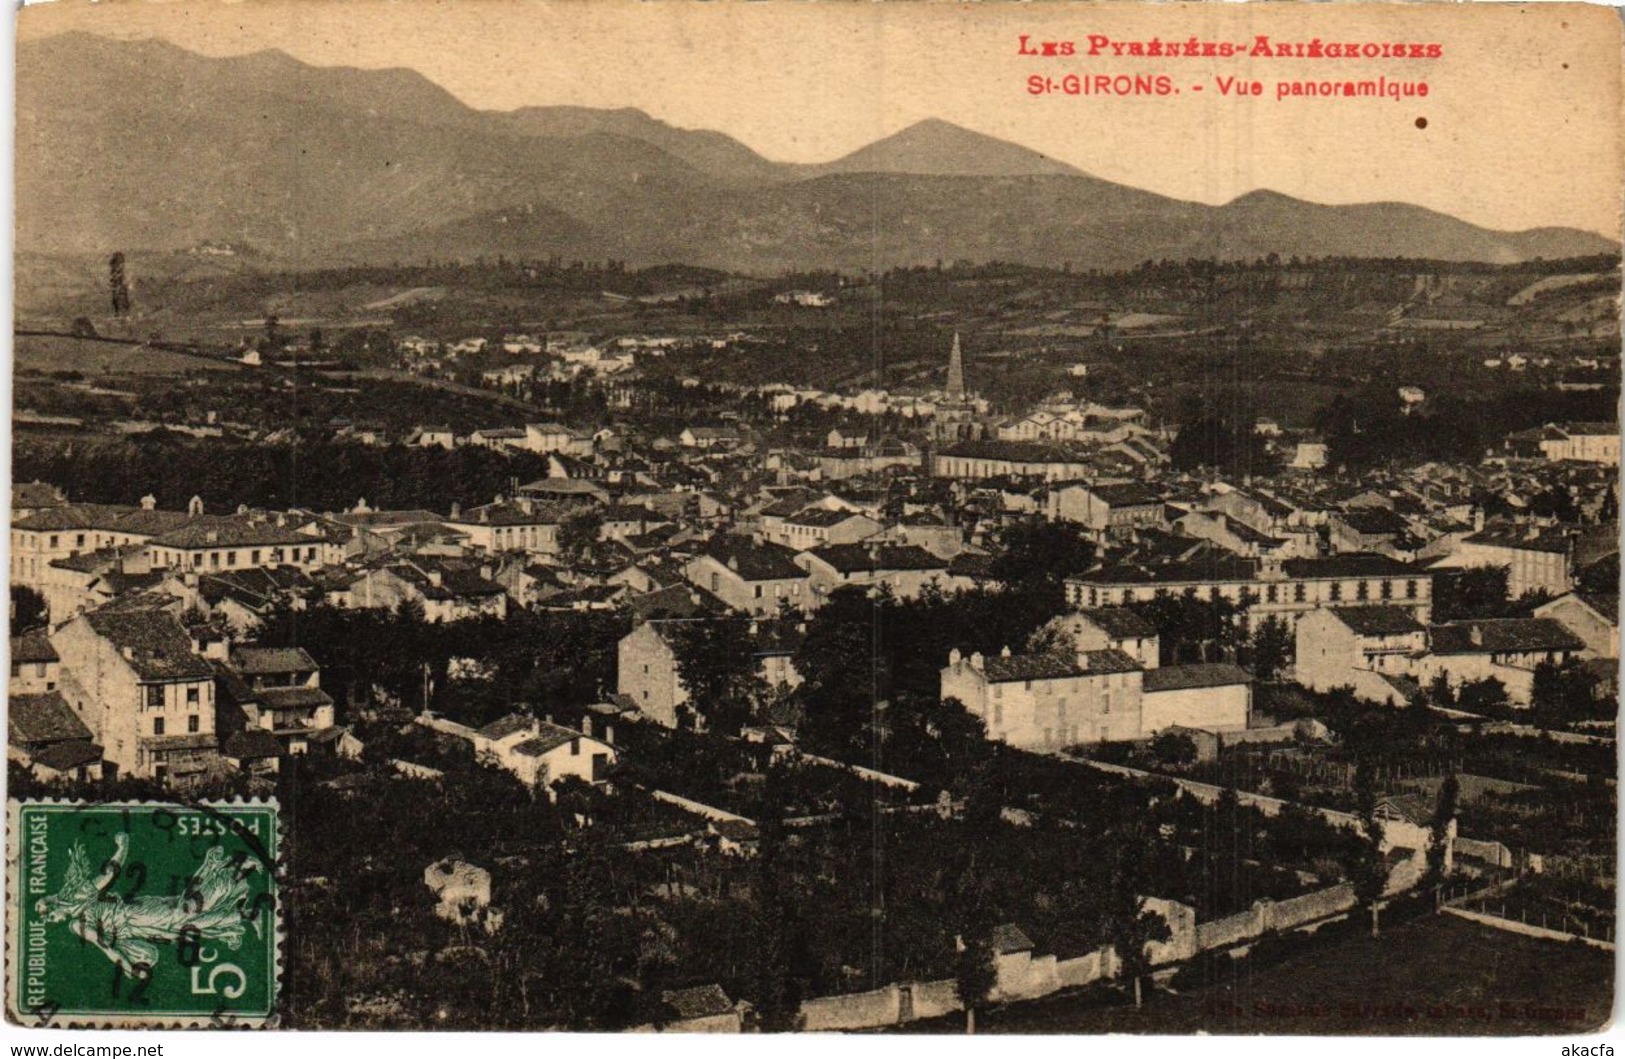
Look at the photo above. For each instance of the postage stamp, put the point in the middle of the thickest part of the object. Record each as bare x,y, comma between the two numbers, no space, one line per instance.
142,914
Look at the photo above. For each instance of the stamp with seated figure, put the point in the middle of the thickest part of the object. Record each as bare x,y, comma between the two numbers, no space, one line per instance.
143,914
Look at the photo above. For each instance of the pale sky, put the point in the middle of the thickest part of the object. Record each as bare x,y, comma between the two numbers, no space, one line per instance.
1523,115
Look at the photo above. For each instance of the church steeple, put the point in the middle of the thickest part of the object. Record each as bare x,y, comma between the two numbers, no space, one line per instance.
956,372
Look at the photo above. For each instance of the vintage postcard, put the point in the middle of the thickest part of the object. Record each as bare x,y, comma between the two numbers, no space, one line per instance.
1010,518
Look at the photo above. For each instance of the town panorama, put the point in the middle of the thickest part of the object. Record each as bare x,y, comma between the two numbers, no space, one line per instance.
1183,641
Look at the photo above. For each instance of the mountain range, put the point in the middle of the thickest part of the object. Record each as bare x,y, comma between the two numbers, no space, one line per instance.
143,146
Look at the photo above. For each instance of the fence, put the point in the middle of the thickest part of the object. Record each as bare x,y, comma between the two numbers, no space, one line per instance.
1026,976
1518,922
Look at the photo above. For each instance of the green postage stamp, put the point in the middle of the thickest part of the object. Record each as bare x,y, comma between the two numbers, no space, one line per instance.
142,914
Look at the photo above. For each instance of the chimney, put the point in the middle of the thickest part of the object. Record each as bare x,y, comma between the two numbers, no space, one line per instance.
586,724
548,718
128,652
1083,661
456,510
1006,652
242,509
976,661
953,657
1476,635
149,502
609,734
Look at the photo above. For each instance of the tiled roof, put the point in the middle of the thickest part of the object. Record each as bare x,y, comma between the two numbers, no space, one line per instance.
1199,675
853,558
1504,537
1126,494
1056,665
1008,938
701,1001
292,698
752,561
228,531
1378,621
69,754
1372,520
32,646
503,727
35,495
551,737
1353,564
43,718
261,661
820,516
154,643
1120,623
1501,636
251,744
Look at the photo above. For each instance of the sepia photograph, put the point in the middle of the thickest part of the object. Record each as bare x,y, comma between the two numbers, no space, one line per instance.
942,518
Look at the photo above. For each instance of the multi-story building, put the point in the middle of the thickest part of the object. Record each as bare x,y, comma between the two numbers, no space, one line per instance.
1285,589
1364,648
136,680
1052,700
1537,560
1117,508
755,578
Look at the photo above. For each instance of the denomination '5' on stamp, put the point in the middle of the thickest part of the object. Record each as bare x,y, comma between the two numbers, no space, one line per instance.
141,914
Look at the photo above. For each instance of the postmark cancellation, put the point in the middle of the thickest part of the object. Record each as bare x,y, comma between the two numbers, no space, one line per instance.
142,914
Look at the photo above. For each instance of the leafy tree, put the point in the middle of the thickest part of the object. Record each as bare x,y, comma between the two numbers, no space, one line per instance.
1270,647
716,662
1487,696
1042,552
1473,592
579,532
1444,811
1192,629
975,973
1174,748
1368,870
28,610
1440,693
1128,925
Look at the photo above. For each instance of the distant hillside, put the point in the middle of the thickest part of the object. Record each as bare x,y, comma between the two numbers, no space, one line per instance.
141,146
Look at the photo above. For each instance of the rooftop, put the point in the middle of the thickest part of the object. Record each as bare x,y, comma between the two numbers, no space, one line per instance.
1199,675
1378,621
1501,636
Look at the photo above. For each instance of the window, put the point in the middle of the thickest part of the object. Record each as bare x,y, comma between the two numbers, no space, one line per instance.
1410,590
1337,591
1387,589
575,748
192,724
1269,593
79,540
1028,685
39,669
157,726
1298,592
254,559
1106,703
758,591
54,539
998,713
16,670
1361,590
192,698
155,696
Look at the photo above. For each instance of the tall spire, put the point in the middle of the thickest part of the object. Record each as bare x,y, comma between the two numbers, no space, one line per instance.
956,372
